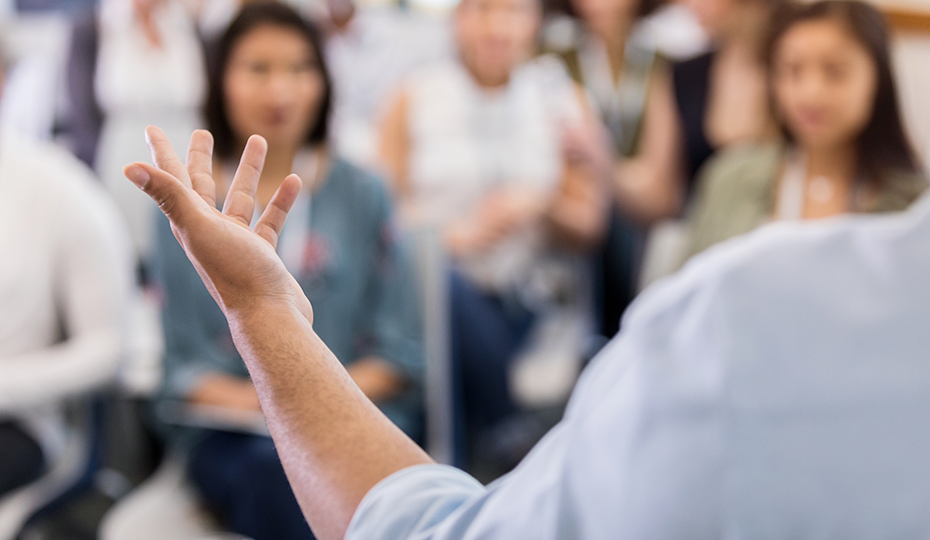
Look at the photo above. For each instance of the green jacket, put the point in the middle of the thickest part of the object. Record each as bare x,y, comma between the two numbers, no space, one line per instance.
736,193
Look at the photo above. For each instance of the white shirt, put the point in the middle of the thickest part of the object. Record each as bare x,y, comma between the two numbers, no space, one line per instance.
138,84
779,387
467,142
65,277
367,60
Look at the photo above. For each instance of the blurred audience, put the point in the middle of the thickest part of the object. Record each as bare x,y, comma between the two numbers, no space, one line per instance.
268,77
720,96
65,283
542,173
133,63
617,62
369,50
474,147
701,105
845,148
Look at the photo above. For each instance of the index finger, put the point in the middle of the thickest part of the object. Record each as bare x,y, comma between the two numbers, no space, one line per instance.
164,156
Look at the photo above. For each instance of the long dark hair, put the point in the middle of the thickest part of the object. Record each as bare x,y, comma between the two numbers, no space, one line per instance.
883,146
645,8
250,17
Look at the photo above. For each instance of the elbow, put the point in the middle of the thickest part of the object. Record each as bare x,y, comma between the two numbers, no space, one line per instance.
111,352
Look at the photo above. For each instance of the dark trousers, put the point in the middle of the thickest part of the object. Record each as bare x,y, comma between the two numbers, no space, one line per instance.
241,478
487,332
617,267
21,460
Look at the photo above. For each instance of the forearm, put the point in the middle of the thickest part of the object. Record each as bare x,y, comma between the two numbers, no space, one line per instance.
334,443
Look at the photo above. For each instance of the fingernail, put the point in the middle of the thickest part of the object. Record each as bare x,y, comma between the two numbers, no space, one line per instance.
137,175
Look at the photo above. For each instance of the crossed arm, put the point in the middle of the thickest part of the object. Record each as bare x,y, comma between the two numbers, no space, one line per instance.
334,443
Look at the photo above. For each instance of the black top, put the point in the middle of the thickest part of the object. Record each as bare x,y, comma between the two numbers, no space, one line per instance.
691,80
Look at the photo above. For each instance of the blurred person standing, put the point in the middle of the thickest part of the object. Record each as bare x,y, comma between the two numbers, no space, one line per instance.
135,62
701,105
474,149
132,63
697,107
65,283
370,50
845,148
268,77
616,60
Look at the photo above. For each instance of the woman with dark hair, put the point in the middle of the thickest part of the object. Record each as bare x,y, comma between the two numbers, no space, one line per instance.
845,149
707,103
269,78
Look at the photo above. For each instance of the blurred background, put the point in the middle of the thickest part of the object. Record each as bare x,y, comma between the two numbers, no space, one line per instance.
488,186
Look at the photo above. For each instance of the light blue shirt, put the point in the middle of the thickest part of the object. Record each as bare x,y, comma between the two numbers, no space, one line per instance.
778,387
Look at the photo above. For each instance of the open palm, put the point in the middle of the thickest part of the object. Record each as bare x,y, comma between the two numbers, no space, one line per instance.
239,265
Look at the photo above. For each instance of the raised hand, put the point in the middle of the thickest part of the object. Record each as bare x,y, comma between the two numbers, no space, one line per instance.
334,443
238,265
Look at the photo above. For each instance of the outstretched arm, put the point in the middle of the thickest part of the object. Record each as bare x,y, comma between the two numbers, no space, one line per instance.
335,445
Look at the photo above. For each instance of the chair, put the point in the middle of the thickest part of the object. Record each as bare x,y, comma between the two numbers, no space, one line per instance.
432,269
72,468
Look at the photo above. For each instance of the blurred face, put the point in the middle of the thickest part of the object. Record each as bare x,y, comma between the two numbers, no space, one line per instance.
824,83
273,86
494,36
606,17
145,6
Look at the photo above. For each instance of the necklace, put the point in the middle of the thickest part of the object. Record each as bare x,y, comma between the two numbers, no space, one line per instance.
821,190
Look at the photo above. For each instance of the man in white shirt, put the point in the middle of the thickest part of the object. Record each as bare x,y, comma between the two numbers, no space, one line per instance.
777,388
65,276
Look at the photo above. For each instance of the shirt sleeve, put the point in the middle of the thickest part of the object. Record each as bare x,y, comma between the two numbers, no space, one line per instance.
438,502
93,281
637,455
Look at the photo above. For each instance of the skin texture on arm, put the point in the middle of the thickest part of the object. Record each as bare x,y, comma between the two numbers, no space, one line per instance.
648,187
334,443
395,146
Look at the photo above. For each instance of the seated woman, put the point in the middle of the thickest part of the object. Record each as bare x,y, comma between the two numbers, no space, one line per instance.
269,78
845,149
474,148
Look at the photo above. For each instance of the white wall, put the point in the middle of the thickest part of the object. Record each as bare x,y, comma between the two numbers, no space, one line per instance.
912,69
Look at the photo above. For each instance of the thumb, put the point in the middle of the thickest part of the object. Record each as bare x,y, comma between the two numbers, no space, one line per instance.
175,200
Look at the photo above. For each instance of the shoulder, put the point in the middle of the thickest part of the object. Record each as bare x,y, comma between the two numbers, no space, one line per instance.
432,85
783,258
62,177
439,72
901,189
748,166
734,194
546,68
364,189
549,76
561,36
73,203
